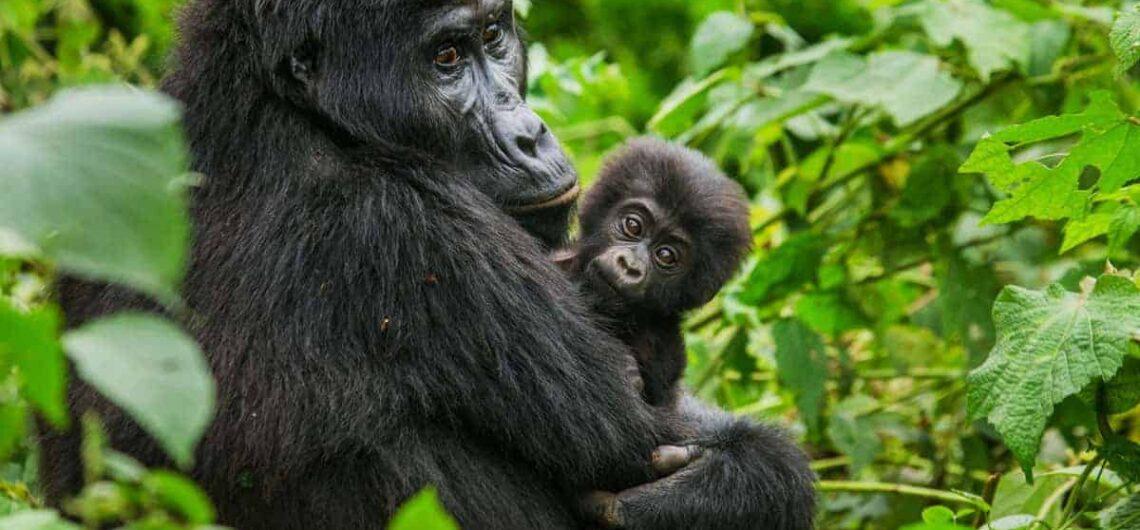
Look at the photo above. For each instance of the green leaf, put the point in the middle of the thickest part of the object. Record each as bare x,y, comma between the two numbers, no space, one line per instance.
905,85
1109,142
423,512
13,423
680,108
1125,515
938,514
719,36
1125,38
929,188
180,495
153,370
91,180
1051,344
778,63
801,362
1012,522
30,342
852,431
1122,393
993,38
1016,496
786,267
1123,457
829,313
37,520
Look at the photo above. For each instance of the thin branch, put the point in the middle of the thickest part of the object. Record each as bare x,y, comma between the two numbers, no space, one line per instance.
897,489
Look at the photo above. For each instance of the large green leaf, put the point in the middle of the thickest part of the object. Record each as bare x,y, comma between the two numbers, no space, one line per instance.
788,266
801,362
423,512
153,370
91,181
1051,344
719,36
993,38
905,85
1125,38
29,341
1109,141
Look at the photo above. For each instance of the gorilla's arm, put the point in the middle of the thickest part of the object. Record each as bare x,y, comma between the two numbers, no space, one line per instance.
734,474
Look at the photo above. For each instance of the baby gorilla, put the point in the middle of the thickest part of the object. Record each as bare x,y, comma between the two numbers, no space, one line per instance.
662,230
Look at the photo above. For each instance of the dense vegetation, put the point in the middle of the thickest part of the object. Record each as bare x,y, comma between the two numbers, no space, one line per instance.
941,302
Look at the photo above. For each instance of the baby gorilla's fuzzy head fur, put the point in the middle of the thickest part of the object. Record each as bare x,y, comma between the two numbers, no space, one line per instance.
694,198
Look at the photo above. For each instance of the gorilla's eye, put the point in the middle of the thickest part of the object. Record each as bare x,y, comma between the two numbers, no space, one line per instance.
666,257
492,33
448,56
631,226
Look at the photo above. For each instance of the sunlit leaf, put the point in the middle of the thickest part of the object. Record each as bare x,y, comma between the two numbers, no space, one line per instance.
423,512
29,341
994,39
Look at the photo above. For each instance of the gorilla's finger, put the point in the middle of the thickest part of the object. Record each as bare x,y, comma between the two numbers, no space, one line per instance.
668,459
601,507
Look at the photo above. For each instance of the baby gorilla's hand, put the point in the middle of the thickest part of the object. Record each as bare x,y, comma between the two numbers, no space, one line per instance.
604,509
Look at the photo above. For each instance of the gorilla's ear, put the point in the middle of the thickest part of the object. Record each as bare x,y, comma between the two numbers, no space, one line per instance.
564,258
302,63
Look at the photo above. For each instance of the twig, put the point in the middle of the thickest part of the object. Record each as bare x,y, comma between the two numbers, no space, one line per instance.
897,489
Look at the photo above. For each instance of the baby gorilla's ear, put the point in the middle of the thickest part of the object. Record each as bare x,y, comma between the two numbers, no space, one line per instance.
564,258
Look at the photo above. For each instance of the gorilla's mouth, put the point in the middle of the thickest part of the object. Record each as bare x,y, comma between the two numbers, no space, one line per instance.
559,200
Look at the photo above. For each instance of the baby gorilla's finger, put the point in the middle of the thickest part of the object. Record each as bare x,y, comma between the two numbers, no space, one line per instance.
668,459
601,507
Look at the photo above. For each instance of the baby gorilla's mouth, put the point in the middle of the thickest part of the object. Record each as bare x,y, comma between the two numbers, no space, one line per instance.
559,200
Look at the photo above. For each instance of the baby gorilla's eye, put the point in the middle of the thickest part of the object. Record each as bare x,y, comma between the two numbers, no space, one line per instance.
666,257
492,33
448,56
631,225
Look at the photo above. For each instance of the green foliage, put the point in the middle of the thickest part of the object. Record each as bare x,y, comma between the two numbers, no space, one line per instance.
151,369
117,212
938,186
423,512
1051,345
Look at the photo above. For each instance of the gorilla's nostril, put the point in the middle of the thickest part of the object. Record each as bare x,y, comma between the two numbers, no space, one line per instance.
527,145
628,268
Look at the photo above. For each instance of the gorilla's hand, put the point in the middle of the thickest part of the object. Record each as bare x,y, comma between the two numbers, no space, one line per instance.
633,374
606,510
732,474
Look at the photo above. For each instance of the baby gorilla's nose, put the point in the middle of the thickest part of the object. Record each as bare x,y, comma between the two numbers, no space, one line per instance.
630,267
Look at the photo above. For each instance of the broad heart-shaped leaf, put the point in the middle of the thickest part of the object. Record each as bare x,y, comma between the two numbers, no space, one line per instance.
993,38
30,341
906,85
153,370
1050,345
801,363
423,512
1125,37
90,180
719,36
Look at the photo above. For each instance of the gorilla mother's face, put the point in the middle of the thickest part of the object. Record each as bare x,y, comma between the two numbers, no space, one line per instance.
445,77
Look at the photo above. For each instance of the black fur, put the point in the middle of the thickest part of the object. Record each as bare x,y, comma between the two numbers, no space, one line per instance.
374,320
676,193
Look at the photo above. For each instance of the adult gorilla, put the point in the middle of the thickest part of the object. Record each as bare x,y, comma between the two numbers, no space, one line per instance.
377,323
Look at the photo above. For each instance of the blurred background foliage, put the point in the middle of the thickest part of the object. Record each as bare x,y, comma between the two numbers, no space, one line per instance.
887,222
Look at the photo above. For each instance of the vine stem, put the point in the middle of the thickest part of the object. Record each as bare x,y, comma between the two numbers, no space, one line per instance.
897,489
